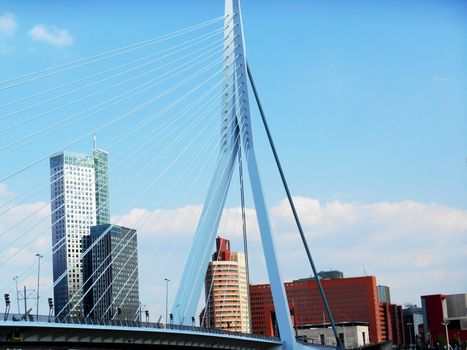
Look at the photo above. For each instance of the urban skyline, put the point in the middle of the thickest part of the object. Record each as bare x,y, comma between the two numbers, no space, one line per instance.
400,230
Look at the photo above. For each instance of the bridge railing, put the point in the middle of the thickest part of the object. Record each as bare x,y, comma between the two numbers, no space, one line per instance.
125,323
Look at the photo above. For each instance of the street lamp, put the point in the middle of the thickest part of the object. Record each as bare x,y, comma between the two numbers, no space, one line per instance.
445,324
166,298
38,276
17,292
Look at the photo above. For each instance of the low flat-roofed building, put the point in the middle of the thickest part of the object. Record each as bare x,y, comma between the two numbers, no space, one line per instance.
351,334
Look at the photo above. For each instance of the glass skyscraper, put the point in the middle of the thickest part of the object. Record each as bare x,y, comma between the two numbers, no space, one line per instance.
101,170
111,272
79,200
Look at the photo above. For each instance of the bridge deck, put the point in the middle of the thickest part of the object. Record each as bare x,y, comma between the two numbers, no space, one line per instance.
86,334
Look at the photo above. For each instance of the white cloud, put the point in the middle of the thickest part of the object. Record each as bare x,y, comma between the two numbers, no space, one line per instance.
415,248
51,35
396,241
24,231
8,24
4,193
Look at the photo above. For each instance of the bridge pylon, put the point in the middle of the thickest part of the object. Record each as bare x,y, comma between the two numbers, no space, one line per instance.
235,134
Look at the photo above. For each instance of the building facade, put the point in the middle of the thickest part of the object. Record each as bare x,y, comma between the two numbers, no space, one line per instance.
111,273
101,170
74,207
397,325
384,294
437,310
352,335
384,321
352,299
413,324
226,291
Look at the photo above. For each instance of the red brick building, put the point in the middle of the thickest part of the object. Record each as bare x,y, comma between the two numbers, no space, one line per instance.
385,324
351,300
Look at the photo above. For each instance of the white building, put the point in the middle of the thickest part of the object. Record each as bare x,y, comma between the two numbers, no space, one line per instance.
352,334
226,291
74,206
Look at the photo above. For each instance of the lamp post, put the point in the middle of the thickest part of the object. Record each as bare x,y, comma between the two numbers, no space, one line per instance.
17,293
166,299
445,324
38,276
178,313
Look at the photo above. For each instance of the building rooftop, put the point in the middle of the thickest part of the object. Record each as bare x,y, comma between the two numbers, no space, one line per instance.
339,324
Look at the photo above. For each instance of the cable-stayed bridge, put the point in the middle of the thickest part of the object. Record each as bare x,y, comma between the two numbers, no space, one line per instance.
177,121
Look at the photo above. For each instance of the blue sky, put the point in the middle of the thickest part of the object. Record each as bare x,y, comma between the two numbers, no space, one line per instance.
367,102
373,96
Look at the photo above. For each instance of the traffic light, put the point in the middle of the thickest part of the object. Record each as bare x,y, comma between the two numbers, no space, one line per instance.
7,306
51,308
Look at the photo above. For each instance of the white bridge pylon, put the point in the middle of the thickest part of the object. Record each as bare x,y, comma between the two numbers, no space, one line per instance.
235,134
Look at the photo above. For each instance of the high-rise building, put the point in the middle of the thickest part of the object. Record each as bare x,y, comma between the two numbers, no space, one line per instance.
384,294
101,170
75,208
111,273
226,290
352,299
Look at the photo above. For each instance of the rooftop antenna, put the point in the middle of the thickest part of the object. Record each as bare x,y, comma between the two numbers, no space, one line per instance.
364,270
94,142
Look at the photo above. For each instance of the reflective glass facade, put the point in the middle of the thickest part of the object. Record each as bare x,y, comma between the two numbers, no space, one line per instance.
101,169
111,272
79,197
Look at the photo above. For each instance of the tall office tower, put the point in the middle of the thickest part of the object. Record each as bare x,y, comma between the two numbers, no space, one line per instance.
111,273
73,201
227,304
101,170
